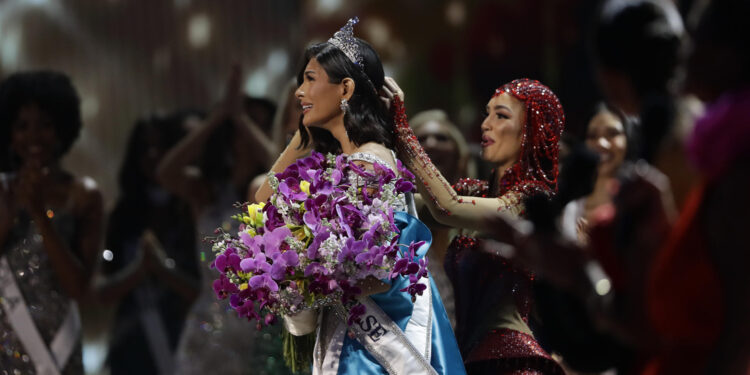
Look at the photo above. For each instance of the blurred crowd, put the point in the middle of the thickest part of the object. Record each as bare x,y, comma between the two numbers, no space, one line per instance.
638,261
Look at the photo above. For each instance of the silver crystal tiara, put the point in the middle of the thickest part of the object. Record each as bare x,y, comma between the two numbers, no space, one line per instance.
344,40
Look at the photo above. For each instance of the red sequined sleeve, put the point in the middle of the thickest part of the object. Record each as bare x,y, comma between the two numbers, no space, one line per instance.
444,203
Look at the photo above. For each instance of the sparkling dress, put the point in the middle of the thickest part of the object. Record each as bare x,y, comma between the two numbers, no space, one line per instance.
215,340
493,303
45,298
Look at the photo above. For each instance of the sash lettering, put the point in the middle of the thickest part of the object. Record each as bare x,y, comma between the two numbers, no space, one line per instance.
372,328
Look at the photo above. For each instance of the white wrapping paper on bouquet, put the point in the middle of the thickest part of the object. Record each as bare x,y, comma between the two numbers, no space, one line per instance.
302,323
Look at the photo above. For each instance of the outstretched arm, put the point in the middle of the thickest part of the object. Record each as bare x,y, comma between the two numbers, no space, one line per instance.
252,137
446,206
172,171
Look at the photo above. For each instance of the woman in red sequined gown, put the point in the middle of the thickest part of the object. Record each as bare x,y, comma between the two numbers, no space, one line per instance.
519,135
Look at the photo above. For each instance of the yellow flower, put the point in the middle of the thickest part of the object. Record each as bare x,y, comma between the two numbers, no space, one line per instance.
305,187
251,231
255,214
300,232
243,286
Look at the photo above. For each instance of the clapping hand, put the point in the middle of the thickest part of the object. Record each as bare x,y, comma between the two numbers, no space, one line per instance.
154,257
232,101
29,187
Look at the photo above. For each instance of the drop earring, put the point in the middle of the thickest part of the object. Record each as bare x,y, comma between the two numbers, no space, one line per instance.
344,105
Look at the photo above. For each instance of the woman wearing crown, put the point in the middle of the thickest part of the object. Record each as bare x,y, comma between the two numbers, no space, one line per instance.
343,113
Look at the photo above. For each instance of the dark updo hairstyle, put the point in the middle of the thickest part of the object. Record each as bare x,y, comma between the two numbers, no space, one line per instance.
56,97
644,40
367,119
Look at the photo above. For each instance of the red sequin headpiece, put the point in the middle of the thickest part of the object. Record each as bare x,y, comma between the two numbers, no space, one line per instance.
536,169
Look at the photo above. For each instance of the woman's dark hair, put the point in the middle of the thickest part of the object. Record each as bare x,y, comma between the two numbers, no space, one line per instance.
367,119
55,95
643,40
166,130
628,126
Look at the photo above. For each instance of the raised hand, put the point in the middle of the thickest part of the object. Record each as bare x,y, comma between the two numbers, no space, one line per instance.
232,101
389,91
154,256
29,187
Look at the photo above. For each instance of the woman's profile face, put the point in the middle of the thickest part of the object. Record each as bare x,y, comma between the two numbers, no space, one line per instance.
320,100
502,129
606,136
33,136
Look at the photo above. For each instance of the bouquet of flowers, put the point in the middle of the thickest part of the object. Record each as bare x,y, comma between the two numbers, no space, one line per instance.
328,225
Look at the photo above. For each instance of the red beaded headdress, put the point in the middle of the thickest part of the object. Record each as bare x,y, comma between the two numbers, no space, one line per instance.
536,169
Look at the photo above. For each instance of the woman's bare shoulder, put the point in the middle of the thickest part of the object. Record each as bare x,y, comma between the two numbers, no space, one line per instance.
379,151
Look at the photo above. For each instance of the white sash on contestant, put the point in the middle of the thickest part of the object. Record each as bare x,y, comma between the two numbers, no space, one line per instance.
399,352
47,361
156,333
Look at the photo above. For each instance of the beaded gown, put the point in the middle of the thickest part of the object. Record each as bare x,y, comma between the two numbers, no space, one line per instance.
492,296
45,298
493,300
215,340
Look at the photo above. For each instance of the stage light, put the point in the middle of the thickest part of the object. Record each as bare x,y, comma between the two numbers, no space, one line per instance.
199,30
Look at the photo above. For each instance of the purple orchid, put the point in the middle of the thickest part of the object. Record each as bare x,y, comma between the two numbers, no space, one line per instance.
280,276
352,248
273,217
359,170
282,263
272,242
320,236
263,282
223,287
414,289
316,269
290,189
256,264
249,242
373,257
227,261
404,186
350,218
244,308
405,173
